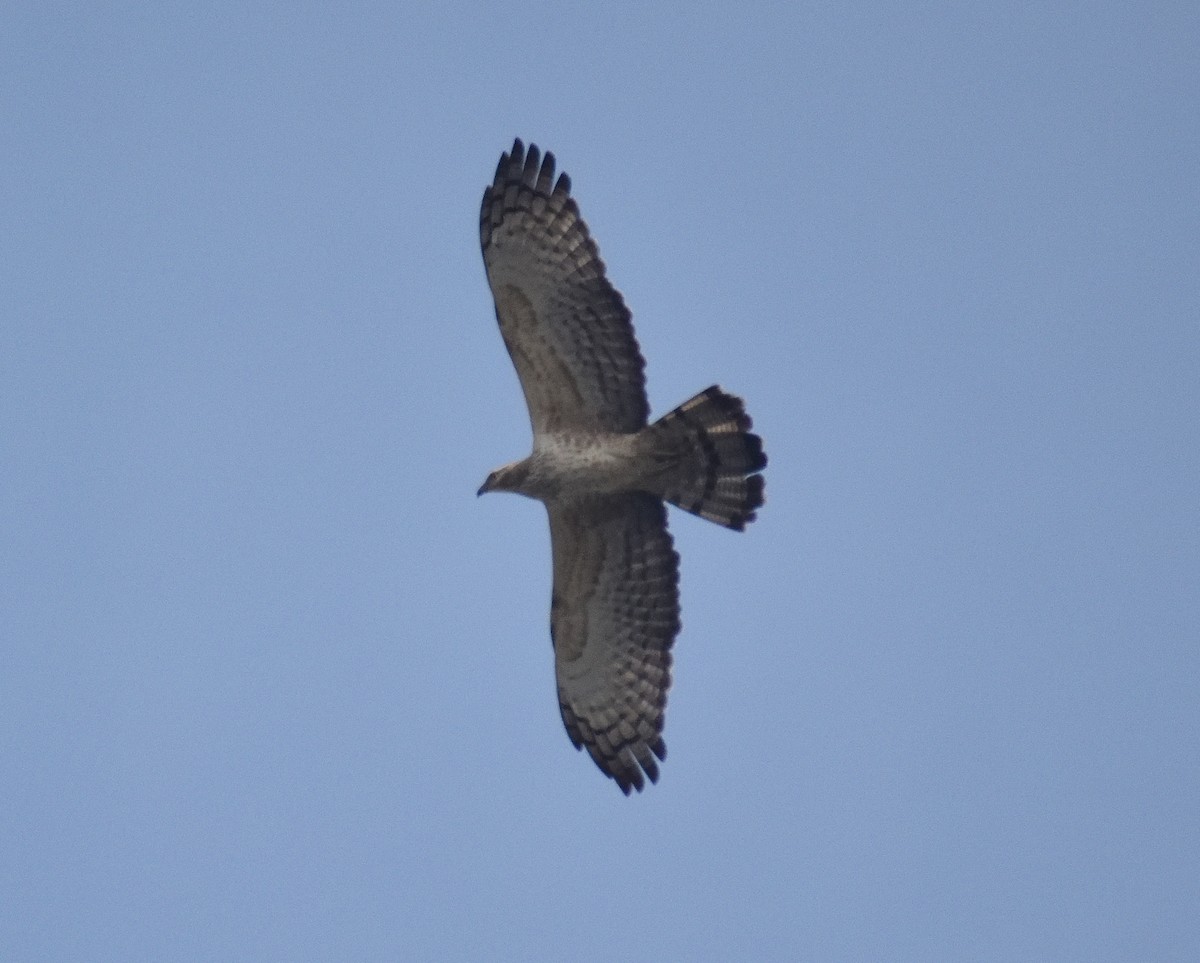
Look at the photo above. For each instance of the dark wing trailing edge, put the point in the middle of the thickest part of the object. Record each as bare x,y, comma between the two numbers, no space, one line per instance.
567,329
613,618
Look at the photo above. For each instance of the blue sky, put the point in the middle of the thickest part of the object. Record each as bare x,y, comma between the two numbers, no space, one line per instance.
275,685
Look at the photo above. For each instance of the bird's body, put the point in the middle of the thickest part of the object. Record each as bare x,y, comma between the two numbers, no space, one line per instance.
594,465
601,470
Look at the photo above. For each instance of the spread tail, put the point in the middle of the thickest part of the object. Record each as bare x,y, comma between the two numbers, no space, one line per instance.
709,459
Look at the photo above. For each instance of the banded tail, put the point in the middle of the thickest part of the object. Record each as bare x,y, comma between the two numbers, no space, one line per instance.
710,458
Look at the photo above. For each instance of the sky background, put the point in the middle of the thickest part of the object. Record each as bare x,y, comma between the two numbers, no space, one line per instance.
274,684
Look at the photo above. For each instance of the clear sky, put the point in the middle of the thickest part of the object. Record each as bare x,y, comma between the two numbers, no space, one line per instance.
275,685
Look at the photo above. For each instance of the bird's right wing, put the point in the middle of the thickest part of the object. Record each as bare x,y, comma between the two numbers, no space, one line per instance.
567,329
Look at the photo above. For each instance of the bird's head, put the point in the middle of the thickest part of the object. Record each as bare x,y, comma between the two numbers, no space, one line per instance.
507,478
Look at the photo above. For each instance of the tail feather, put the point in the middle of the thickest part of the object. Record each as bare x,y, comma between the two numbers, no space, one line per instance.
710,459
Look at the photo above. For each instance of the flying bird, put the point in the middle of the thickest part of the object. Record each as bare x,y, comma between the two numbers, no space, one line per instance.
602,471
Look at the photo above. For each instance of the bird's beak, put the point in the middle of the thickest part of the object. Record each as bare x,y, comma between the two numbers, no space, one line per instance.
482,489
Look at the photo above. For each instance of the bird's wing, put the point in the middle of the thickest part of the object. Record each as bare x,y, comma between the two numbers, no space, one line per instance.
614,616
567,329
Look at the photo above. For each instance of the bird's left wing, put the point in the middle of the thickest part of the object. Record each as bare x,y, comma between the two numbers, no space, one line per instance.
614,616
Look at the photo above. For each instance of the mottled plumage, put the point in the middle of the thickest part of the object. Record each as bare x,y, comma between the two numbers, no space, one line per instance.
601,471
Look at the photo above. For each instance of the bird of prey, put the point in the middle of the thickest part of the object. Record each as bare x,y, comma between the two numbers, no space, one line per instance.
601,470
